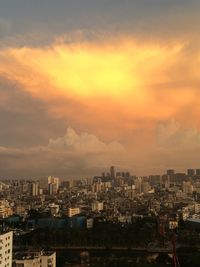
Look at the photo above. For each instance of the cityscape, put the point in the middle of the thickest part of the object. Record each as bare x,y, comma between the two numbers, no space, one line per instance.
148,220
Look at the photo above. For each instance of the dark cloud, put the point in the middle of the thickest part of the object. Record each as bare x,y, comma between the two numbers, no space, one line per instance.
24,120
38,22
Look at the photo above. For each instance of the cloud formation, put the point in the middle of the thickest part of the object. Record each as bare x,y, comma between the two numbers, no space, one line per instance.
127,80
83,143
125,72
73,154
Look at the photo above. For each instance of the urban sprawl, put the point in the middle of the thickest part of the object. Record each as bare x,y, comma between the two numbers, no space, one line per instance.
42,219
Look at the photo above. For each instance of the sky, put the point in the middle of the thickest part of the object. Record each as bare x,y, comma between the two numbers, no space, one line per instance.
87,84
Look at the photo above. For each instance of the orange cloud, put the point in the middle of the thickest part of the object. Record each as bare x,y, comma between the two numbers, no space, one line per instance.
117,82
88,69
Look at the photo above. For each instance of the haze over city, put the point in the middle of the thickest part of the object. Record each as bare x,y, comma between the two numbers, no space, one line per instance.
89,84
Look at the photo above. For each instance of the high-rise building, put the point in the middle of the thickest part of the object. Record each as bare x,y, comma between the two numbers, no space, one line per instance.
52,189
54,180
53,185
145,187
112,172
167,181
34,188
138,185
6,243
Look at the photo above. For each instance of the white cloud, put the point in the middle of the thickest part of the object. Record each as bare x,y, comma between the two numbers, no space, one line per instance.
84,143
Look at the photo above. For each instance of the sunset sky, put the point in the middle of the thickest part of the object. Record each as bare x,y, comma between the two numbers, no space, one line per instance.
86,84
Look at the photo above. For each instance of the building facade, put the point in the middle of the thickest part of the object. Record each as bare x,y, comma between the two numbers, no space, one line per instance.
6,241
35,259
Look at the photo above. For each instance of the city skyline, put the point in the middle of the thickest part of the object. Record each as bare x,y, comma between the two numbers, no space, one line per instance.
87,85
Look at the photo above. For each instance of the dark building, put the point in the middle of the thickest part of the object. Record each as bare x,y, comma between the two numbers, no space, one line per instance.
112,172
170,172
198,172
191,172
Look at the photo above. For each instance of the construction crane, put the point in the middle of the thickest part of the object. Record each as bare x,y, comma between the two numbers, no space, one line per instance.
162,234
174,254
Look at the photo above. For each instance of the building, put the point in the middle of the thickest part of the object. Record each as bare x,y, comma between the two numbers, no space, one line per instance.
48,259
35,259
170,172
34,189
5,209
52,189
53,185
190,172
6,243
173,224
138,185
112,172
130,193
73,211
167,182
97,206
187,187
3,186
97,187
145,187
20,209
197,208
89,223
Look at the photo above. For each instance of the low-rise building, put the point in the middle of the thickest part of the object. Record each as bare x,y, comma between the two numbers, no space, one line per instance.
35,259
73,211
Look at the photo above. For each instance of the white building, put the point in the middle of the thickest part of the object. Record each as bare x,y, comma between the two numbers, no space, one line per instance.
73,211
6,241
35,259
